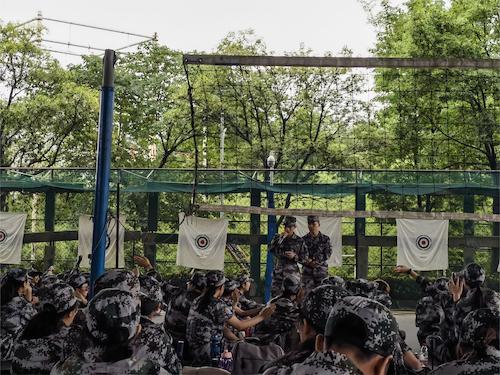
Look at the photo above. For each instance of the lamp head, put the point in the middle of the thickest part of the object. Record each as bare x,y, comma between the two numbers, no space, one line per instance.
271,161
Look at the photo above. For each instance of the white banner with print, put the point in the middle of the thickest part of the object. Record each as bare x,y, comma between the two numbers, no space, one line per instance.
201,242
85,229
423,244
11,237
331,227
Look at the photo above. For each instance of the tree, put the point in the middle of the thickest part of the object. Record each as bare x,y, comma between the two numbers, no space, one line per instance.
45,118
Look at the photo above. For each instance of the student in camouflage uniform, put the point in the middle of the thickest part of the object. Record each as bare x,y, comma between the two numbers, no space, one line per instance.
16,308
428,318
178,308
112,323
230,297
363,330
81,286
209,314
319,251
158,343
289,250
245,283
479,356
43,341
118,278
280,328
467,293
313,316
110,279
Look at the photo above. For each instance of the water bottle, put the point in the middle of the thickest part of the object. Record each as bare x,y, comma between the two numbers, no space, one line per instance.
180,349
424,356
215,349
226,360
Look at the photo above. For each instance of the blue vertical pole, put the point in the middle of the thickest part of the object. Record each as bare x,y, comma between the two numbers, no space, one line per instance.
103,168
271,231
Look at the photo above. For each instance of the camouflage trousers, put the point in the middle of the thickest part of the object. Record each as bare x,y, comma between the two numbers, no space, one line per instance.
279,275
312,277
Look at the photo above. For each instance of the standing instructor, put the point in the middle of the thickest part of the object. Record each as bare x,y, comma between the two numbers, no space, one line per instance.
319,251
289,250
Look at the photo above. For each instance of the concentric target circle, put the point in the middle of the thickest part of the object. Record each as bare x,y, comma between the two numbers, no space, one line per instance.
202,241
423,242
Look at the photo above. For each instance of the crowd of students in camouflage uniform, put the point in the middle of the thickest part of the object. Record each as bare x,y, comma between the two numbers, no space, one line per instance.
134,323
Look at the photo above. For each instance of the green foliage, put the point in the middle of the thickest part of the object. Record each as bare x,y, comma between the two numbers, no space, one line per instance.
314,118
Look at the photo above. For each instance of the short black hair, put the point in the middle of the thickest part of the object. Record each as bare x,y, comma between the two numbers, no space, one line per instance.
148,306
350,331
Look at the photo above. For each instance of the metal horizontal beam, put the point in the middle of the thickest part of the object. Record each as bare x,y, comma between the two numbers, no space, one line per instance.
351,214
248,239
342,62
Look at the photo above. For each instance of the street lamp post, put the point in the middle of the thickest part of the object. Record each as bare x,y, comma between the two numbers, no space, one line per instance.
271,229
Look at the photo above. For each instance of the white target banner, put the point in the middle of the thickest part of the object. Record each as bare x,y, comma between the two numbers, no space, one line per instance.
422,244
85,229
11,237
331,227
201,242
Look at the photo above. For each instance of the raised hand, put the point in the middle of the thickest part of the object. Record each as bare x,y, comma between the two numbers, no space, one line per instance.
267,311
456,287
401,269
142,262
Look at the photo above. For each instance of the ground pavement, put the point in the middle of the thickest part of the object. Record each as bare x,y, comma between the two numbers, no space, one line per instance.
406,321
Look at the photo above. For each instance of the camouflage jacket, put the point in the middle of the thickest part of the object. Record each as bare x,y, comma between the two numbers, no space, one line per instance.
489,365
330,363
203,324
138,364
318,248
177,313
38,356
290,243
158,345
14,316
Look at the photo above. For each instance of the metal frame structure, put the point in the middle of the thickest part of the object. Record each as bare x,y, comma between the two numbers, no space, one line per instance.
100,51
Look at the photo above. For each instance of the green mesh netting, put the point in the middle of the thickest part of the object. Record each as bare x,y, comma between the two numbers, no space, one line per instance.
315,183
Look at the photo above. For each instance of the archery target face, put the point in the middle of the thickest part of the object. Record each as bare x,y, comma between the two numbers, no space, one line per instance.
423,242
202,242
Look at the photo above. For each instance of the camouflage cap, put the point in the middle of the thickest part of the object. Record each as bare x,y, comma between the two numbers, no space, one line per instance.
198,280
290,221
230,285
360,287
16,274
382,330
118,278
151,288
474,275
215,278
291,284
48,280
318,303
334,280
475,325
60,296
112,309
77,280
428,312
312,219
242,279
